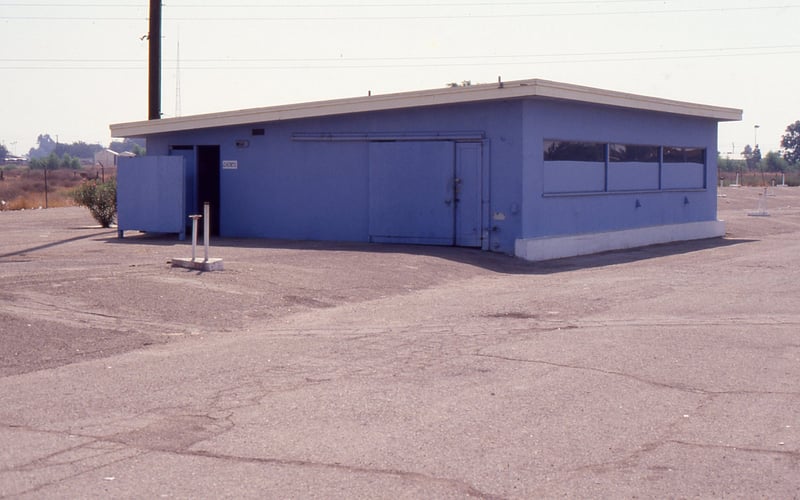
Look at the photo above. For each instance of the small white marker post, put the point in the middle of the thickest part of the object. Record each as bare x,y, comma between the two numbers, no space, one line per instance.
206,264
206,230
194,233
762,206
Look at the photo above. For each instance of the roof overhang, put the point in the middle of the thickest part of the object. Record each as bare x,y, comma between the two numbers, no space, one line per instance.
424,98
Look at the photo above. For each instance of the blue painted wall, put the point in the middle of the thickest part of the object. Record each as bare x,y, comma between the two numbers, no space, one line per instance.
550,212
300,189
314,189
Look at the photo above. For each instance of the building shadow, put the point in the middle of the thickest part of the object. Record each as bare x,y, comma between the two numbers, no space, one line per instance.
496,262
51,244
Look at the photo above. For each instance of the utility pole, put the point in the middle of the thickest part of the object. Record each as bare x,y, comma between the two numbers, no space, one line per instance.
154,80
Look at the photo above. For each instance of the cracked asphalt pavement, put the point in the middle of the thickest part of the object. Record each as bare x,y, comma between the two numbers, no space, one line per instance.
324,370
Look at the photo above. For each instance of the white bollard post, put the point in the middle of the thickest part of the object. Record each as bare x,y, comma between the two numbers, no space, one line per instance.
206,228
194,233
206,264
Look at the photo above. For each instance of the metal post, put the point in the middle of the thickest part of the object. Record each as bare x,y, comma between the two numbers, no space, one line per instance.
206,228
154,77
194,234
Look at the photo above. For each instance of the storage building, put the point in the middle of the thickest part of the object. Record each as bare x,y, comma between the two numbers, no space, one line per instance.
533,168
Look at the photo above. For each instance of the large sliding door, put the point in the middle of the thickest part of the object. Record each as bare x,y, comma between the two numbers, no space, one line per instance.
425,192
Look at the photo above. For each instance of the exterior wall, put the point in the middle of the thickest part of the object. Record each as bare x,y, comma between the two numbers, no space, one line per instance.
564,209
319,189
311,178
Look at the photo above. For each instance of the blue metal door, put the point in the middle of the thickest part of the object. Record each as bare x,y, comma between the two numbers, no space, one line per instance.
425,192
150,194
411,192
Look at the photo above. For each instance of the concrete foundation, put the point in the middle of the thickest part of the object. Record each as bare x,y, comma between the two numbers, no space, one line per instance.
198,264
558,247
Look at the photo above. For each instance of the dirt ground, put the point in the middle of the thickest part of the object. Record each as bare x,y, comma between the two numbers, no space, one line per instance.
337,370
78,292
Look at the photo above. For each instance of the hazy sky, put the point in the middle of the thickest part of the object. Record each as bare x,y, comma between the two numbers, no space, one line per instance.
70,68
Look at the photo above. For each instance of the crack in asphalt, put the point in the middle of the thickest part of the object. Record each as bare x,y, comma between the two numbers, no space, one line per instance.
460,486
142,447
795,454
52,459
47,461
654,383
635,455
31,306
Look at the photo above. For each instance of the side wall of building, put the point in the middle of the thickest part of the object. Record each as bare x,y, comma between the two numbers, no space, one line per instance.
312,178
569,198
405,176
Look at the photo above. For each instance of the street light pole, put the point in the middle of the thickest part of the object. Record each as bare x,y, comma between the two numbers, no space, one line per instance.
755,135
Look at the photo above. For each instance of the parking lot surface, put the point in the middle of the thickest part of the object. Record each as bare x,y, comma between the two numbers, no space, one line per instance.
335,370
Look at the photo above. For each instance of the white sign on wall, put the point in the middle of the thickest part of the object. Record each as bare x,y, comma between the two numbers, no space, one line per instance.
230,164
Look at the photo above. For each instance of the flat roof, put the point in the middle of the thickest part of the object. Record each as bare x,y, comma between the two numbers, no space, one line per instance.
423,98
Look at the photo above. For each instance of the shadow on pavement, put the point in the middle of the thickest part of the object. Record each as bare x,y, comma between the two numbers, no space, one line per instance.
51,244
495,262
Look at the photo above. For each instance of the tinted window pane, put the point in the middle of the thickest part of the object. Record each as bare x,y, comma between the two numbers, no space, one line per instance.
574,151
685,155
629,153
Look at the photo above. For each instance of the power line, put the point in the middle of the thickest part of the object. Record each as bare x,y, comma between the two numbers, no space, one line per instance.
410,17
341,5
422,62
712,51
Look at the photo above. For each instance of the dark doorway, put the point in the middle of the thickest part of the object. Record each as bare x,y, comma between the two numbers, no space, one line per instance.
208,166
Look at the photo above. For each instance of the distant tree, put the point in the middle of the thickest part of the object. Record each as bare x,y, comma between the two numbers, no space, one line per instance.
729,165
46,145
3,152
53,162
791,143
135,146
774,162
68,161
81,149
749,155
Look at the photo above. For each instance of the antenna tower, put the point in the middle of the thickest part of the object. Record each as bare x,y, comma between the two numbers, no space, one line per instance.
178,78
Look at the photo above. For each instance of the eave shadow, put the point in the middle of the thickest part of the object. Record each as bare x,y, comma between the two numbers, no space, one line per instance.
496,262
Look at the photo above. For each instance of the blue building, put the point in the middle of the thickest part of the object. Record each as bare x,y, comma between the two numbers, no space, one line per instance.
533,168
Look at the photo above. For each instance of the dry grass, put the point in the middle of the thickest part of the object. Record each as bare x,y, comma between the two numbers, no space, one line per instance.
23,188
762,178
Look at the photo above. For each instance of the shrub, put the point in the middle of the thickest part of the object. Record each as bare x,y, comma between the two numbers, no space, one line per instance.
100,198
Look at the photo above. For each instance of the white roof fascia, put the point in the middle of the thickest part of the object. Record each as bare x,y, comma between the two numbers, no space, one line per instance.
424,98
